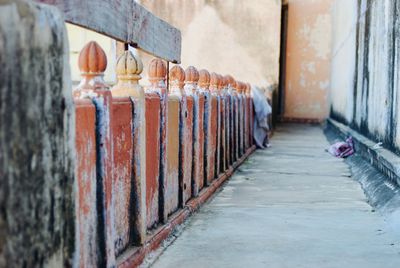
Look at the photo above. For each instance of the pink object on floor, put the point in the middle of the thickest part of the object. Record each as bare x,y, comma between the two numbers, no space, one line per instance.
342,149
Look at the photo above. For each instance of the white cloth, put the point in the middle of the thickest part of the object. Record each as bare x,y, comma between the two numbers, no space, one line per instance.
262,110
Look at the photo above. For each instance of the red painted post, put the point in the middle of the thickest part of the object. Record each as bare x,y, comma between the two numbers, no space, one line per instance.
246,118
190,147
191,80
92,63
228,124
122,171
248,123
241,101
129,152
238,85
225,155
177,80
216,122
251,114
244,115
152,158
232,108
208,127
157,77
86,200
236,117
171,182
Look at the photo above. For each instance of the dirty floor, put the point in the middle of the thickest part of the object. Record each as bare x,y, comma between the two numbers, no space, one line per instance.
292,205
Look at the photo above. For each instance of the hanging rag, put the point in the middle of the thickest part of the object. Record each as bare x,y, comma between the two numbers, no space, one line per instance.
262,110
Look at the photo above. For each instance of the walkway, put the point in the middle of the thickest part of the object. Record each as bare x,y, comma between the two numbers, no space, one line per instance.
292,205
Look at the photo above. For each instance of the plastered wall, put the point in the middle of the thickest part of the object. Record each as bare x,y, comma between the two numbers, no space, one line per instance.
365,80
237,37
308,59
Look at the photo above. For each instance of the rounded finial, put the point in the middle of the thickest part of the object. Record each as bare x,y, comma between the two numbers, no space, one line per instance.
92,59
248,88
222,82
191,75
240,86
157,70
230,81
214,80
177,74
237,86
204,78
129,66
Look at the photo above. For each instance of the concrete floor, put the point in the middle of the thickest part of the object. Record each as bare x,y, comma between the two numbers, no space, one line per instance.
292,205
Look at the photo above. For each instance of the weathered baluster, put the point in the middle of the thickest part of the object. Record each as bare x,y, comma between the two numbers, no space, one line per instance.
177,80
241,117
153,117
203,86
157,77
225,157
246,118
241,110
129,152
92,64
86,201
231,97
171,181
215,134
235,115
251,113
228,123
191,80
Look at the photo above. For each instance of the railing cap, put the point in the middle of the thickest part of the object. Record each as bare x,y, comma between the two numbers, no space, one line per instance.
230,81
204,79
240,86
191,75
223,82
92,59
129,66
92,63
215,80
248,88
177,75
157,70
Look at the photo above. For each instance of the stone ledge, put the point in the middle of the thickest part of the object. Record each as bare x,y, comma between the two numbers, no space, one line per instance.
384,160
382,191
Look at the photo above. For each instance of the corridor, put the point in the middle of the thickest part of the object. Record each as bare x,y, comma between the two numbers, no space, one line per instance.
292,205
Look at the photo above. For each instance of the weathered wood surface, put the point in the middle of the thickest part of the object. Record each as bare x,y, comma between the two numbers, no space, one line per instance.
86,195
187,150
152,111
171,182
125,21
37,220
122,126
198,144
129,68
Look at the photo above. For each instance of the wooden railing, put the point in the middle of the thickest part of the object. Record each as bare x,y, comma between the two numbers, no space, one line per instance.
125,21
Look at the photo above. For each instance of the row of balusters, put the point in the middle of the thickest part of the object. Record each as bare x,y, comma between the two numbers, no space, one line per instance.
143,154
